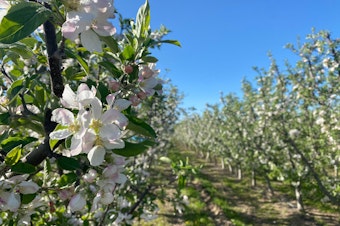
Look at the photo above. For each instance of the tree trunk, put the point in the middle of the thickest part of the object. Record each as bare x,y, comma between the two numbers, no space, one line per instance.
336,173
230,168
239,173
253,178
222,163
207,157
333,199
298,196
269,185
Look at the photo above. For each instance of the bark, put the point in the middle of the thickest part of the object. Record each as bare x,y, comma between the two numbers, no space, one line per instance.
222,163
239,173
298,196
253,178
269,185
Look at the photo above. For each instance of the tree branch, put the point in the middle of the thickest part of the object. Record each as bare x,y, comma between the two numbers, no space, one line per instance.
43,150
54,58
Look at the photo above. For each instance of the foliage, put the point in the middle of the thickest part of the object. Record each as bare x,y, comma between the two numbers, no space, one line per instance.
72,115
285,128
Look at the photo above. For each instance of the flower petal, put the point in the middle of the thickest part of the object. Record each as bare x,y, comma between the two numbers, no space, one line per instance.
62,116
114,144
69,98
121,104
96,155
60,134
91,41
28,187
110,132
77,203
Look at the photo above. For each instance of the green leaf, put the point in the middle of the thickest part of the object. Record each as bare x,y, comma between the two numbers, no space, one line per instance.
27,198
143,20
13,156
68,163
149,59
21,20
69,53
173,42
15,88
111,68
133,149
165,159
23,168
181,181
4,118
67,179
140,127
40,95
128,52
53,143
12,142
103,91
111,43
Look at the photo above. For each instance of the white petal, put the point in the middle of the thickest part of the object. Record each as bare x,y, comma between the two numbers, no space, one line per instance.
82,87
13,202
114,144
85,97
110,99
28,187
110,132
62,116
96,108
60,134
149,83
96,155
77,203
91,41
121,104
69,98
107,198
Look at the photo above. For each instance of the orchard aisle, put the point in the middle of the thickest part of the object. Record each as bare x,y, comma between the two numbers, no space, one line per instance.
217,197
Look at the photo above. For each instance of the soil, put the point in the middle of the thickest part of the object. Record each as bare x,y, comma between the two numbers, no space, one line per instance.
246,204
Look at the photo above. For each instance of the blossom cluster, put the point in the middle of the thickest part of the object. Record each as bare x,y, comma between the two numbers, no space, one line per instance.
89,19
11,190
94,129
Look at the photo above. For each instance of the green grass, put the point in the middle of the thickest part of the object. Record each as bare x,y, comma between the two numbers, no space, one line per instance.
234,201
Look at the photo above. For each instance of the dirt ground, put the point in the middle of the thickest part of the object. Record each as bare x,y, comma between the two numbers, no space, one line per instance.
246,205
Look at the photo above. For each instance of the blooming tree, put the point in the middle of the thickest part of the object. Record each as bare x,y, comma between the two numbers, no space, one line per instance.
70,90
285,128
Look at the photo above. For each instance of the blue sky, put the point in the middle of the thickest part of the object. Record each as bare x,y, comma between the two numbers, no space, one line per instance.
223,39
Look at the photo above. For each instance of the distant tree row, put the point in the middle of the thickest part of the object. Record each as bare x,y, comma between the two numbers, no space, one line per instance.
284,128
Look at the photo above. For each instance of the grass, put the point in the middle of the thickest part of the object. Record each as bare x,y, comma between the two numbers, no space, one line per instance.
218,198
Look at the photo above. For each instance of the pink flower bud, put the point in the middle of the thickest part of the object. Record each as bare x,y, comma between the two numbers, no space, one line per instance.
134,100
141,95
114,85
91,176
65,194
128,69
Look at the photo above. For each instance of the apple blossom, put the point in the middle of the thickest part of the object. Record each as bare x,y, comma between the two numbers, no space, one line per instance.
148,80
90,20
